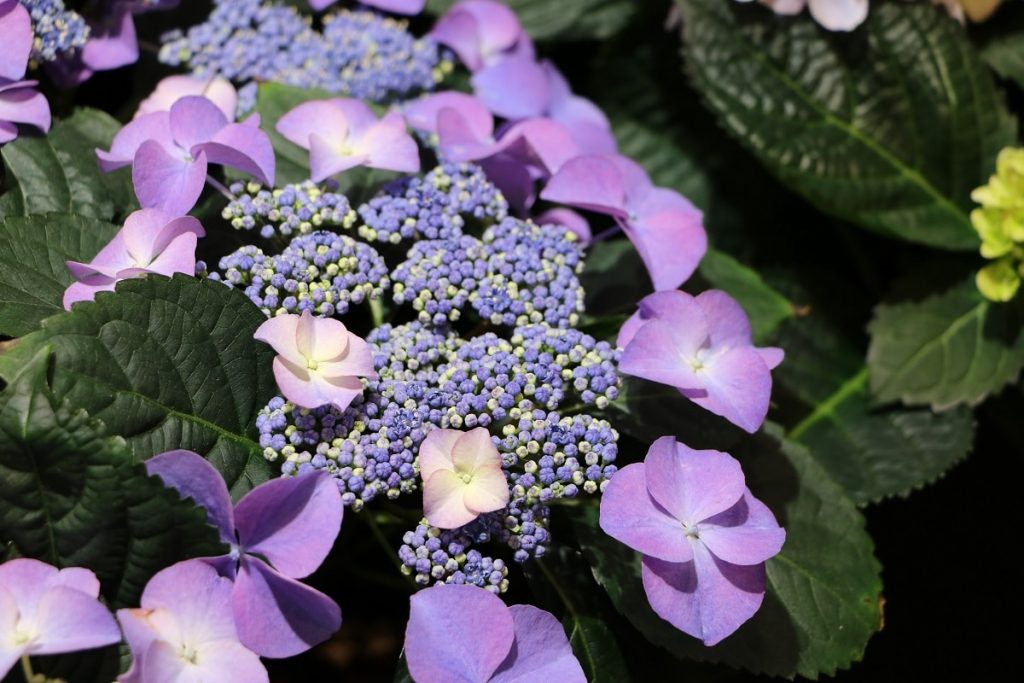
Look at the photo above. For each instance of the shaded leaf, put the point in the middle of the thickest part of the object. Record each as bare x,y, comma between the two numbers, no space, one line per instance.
165,363
890,127
1002,43
766,307
33,277
74,497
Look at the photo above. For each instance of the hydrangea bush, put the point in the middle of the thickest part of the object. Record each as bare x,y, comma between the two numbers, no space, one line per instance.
363,303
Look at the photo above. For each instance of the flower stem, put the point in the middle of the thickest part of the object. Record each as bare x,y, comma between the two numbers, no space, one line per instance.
377,311
219,186
26,669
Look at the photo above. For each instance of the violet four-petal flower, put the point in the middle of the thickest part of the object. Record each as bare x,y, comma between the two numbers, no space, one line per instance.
702,346
703,536
20,102
151,241
169,152
45,611
185,630
666,229
290,523
465,633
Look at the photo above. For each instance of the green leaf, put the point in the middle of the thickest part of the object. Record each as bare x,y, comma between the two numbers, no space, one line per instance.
565,19
948,349
165,363
766,307
74,497
1002,43
33,276
890,127
58,173
823,600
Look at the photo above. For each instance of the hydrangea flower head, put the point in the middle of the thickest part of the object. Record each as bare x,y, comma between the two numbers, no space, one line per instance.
665,228
19,100
1000,224
151,241
169,152
703,536
273,543
185,630
343,133
462,477
462,633
702,346
319,361
835,15
172,88
45,611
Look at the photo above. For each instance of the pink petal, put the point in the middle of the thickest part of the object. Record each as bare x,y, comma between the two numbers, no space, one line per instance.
839,15
436,452
69,620
422,114
654,306
165,182
542,142
458,30
747,533
16,37
388,145
281,333
195,120
512,87
670,239
442,649
9,652
77,578
409,7
291,521
474,450
310,390
738,387
692,485
498,25
279,617
8,131
27,579
126,143
192,476
663,350
487,492
172,88
317,116
541,652
630,516
444,503
460,140
197,596
139,635
244,148
178,257
771,356
325,160
81,291
589,182
356,359
728,324
220,661
707,598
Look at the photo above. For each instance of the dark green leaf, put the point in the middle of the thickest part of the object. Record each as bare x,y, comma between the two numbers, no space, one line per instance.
1002,43
74,497
765,306
33,276
823,595
165,363
948,349
565,19
890,127
614,278
58,173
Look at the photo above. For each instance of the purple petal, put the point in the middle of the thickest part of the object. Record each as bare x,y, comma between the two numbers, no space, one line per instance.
469,647
112,44
27,578
630,516
279,617
16,37
198,597
540,142
512,87
219,661
69,620
21,103
85,291
241,147
670,238
746,533
771,356
692,485
193,477
9,652
166,182
318,5
171,89
541,651
513,178
126,143
664,351
325,160
706,598
498,26
568,219
738,387
422,114
291,521
589,182
461,140
8,131
728,324
388,146
195,120
138,634
458,31
652,307
315,117
408,7
584,119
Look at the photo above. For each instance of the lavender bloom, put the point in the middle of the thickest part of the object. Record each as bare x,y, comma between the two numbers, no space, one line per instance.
343,133
292,210
169,152
19,100
702,346
59,32
271,522
321,272
464,633
185,630
45,611
396,6
703,535
151,241
665,228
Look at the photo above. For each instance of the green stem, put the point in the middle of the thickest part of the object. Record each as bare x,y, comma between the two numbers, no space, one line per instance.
26,669
377,311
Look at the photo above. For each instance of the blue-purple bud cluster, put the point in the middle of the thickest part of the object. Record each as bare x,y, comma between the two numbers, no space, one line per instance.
292,210
359,54
518,274
434,207
59,32
433,555
320,272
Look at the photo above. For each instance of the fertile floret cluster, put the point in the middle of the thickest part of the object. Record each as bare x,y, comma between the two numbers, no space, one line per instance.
293,209
321,272
518,274
360,54
434,207
433,555
58,31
